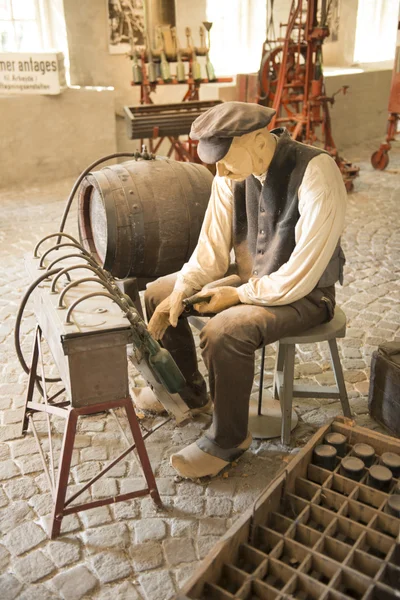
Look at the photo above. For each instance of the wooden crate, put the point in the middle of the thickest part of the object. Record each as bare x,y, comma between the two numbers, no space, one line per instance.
311,534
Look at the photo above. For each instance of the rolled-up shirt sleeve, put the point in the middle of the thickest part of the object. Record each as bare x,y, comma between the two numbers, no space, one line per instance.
210,258
322,207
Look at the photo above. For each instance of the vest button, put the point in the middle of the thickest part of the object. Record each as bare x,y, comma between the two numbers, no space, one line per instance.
255,272
261,252
262,231
262,209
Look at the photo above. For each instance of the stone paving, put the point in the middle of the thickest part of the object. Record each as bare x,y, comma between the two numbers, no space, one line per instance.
131,550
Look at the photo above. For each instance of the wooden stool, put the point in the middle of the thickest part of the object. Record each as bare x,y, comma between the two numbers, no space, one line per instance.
284,389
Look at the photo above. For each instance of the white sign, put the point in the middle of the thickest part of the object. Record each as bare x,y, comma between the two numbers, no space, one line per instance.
32,73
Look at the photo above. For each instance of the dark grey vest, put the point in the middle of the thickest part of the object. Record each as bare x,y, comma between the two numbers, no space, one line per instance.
265,217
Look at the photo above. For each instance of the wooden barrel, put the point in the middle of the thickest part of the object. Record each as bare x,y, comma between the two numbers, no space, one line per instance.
143,218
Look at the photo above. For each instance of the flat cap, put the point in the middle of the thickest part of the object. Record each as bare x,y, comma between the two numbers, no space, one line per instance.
216,128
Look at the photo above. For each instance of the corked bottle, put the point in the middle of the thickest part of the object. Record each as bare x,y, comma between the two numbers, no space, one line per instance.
338,441
393,505
352,467
325,456
364,452
391,460
380,478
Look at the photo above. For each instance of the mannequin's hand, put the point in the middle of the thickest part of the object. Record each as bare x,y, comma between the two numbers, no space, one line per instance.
166,314
221,298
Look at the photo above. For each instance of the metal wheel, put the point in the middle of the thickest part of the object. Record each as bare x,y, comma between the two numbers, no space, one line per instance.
380,160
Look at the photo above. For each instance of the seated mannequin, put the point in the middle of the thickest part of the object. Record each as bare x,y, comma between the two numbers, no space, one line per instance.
280,205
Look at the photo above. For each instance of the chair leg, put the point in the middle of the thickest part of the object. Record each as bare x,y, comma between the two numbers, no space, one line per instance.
279,362
337,370
261,382
287,392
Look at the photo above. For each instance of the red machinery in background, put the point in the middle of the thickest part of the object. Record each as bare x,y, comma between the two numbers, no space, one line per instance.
291,81
380,158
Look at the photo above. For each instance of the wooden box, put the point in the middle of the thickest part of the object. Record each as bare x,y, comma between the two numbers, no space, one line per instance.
312,534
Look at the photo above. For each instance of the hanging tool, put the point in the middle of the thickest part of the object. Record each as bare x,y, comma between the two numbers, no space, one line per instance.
196,68
151,68
180,67
165,70
136,68
209,66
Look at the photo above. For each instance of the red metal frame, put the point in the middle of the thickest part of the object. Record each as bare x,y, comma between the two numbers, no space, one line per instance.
185,150
380,158
291,81
62,505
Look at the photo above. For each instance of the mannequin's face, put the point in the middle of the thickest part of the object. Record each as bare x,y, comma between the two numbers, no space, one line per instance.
249,153
237,164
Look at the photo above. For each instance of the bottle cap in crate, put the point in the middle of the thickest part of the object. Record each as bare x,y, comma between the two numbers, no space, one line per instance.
364,452
379,477
325,456
391,460
352,467
338,441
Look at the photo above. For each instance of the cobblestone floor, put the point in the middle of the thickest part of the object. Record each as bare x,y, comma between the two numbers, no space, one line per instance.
130,550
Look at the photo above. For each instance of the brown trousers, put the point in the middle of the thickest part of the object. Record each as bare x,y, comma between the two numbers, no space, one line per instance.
228,343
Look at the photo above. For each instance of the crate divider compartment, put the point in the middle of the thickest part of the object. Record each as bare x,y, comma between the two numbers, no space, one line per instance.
341,485
265,540
290,553
317,518
332,501
293,506
369,496
332,548
319,567
351,583
334,595
306,489
346,531
232,579
214,592
255,589
360,513
279,523
305,535
381,592
249,559
364,563
278,574
390,576
376,544
318,475
394,555
303,587
386,524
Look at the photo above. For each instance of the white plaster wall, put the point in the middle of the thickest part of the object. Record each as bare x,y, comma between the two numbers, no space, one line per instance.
44,138
361,114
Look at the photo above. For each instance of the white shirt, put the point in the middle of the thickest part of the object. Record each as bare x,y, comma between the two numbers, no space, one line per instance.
322,207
